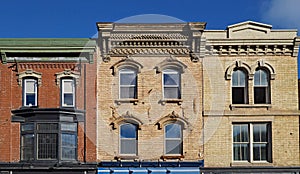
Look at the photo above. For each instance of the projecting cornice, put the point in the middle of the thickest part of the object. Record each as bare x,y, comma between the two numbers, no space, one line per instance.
251,39
119,39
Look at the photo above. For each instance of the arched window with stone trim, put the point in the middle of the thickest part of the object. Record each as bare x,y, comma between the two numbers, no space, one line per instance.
173,142
128,139
262,93
127,83
239,86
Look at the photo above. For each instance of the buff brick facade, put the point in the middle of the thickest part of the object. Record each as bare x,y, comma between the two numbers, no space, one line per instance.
166,97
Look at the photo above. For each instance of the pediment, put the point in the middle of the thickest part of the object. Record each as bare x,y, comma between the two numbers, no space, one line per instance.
249,29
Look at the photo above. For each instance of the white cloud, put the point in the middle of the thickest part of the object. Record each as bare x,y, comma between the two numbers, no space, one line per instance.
282,13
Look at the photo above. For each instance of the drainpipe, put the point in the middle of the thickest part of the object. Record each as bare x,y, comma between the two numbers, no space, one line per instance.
84,114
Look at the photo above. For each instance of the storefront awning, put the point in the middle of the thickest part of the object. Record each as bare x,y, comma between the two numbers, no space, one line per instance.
150,170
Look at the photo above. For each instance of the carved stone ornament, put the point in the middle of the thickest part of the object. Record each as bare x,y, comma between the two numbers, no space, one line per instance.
173,117
170,62
67,74
126,118
29,73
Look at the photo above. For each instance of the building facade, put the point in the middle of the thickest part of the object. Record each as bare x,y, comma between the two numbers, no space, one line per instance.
148,98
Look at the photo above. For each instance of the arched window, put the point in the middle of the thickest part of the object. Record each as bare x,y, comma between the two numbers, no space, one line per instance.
171,84
239,87
127,84
261,87
30,94
128,139
173,139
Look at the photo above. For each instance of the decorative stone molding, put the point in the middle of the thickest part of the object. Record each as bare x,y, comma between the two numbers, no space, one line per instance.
67,74
29,73
126,118
262,64
172,118
126,62
238,64
170,62
249,50
148,51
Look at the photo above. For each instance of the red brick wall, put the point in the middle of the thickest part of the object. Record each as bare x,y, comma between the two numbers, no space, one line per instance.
48,97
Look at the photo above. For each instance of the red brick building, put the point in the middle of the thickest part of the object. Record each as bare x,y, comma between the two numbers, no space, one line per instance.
45,84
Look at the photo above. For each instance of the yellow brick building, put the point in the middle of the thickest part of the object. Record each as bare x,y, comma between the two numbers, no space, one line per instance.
178,92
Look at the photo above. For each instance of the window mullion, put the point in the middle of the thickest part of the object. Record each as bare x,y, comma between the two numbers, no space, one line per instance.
251,142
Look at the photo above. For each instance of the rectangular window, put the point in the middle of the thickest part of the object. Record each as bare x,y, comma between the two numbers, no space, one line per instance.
30,92
173,139
128,139
47,146
128,81
68,93
171,84
252,142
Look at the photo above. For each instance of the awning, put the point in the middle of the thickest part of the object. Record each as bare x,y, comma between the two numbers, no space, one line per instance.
157,170
190,170
150,170
140,170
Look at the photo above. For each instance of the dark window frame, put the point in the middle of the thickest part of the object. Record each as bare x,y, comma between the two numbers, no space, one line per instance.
262,92
58,149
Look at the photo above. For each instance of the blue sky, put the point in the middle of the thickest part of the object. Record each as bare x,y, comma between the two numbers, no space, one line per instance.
77,18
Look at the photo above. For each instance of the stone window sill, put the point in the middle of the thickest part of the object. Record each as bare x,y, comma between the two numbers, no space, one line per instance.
126,157
120,101
172,157
164,101
246,163
267,106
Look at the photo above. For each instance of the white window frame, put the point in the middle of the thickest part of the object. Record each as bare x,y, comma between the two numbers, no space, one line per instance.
267,90
133,139
63,92
25,92
251,142
245,87
178,139
178,86
127,71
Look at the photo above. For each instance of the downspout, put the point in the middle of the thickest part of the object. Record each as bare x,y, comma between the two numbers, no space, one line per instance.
84,107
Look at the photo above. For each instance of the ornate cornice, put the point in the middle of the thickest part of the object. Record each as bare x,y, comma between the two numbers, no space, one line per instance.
249,50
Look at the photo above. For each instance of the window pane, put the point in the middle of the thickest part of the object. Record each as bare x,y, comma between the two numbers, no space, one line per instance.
260,133
171,79
47,126
69,146
128,78
128,131
260,95
238,95
238,78
173,147
173,131
128,146
47,146
240,133
69,127
27,127
68,86
261,78
68,100
30,86
171,92
27,147
30,99
128,92
240,152
259,152
68,153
